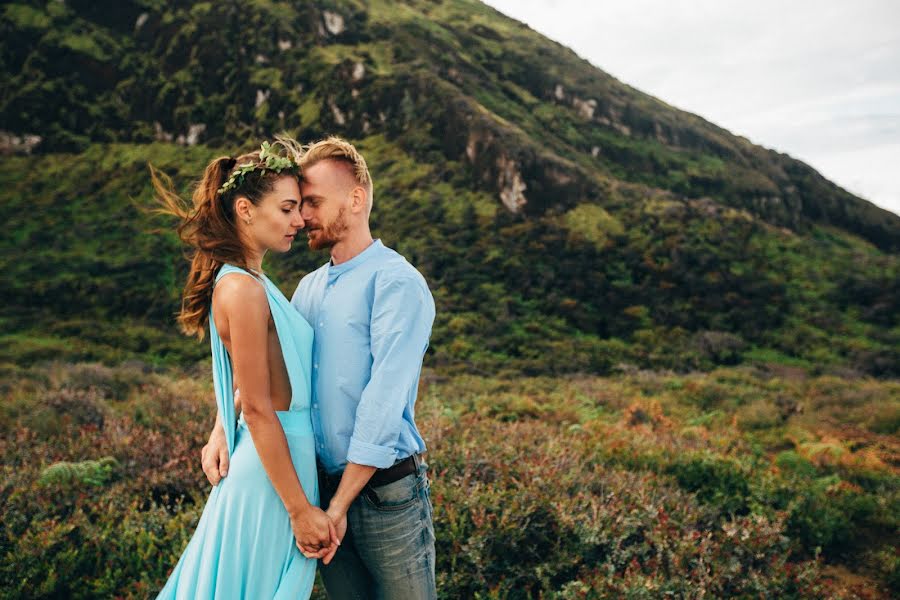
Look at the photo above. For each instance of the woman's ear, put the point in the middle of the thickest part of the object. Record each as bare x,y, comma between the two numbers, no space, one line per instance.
243,208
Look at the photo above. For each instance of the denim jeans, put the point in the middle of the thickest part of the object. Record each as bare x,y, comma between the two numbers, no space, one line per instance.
388,550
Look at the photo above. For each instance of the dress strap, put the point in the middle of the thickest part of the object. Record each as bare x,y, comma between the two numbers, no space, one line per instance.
223,383
229,268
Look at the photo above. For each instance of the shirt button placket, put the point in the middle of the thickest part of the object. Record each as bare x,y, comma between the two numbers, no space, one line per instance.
321,324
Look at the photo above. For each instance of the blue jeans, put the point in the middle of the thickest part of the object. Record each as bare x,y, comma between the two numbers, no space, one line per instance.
388,550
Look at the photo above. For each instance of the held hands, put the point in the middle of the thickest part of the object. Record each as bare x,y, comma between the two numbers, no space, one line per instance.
315,533
338,519
318,534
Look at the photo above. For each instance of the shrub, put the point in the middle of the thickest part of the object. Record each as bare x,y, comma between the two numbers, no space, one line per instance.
87,472
719,347
720,482
760,414
828,515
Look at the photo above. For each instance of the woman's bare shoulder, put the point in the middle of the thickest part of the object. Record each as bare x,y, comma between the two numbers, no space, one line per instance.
239,291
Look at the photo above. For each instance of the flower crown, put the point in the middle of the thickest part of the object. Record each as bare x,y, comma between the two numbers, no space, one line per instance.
269,160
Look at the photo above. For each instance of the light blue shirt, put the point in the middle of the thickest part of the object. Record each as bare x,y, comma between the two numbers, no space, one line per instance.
372,317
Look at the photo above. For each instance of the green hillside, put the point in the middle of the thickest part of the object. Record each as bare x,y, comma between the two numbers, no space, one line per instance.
565,221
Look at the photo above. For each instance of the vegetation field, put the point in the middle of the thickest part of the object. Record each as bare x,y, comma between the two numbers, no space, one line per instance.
743,482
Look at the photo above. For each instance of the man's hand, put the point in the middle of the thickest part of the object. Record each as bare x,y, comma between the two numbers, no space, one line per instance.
315,533
353,481
339,518
214,456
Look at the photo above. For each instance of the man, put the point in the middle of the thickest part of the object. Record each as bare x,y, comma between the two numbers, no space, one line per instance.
372,313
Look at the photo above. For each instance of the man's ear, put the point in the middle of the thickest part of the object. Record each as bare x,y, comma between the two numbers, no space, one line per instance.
358,199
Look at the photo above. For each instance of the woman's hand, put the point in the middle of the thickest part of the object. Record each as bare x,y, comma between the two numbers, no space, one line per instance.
314,531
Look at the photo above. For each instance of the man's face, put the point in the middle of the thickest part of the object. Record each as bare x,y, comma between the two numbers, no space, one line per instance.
325,189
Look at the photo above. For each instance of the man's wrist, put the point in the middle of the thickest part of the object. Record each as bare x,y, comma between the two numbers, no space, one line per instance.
353,482
338,507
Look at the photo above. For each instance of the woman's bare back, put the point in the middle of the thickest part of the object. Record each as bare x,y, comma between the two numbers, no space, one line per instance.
279,383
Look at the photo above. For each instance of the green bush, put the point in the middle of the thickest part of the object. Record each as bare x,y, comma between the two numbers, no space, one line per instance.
87,472
719,482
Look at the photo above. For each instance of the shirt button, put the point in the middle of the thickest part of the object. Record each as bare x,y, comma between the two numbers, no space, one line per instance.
316,366
321,323
316,406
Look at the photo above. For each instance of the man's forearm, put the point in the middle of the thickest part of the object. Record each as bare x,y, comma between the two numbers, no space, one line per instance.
353,480
218,429
218,424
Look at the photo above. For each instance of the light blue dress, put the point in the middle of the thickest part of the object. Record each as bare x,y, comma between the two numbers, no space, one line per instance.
244,546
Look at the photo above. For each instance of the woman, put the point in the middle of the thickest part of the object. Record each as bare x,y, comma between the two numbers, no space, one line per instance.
248,541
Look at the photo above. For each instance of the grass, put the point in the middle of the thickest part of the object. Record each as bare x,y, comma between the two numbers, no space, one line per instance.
733,483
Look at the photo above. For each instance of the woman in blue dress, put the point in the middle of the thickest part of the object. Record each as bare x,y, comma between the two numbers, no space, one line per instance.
256,521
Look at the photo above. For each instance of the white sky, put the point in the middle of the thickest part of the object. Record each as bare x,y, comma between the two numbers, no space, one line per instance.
819,80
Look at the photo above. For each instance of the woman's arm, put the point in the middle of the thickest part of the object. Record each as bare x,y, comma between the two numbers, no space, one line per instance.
243,303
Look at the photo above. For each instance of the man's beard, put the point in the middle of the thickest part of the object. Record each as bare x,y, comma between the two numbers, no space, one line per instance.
329,235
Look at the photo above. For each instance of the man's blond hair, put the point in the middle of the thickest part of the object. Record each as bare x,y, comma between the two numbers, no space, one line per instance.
339,149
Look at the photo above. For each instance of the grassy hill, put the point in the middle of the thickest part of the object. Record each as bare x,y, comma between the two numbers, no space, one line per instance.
566,222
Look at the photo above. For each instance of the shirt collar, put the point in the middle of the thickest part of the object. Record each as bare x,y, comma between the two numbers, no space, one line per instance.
357,260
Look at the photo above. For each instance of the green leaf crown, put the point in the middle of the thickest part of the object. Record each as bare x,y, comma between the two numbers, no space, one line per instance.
269,160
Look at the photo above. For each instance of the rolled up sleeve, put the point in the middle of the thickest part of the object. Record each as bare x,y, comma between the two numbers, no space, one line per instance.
401,320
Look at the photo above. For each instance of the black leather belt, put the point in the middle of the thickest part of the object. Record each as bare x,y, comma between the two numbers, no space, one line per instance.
396,472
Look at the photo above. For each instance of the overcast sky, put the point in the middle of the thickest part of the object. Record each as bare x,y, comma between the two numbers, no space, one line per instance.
819,80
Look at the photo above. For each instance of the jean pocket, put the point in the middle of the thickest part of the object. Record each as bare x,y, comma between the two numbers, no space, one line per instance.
398,495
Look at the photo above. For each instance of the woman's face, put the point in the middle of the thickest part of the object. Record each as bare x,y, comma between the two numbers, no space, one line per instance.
276,219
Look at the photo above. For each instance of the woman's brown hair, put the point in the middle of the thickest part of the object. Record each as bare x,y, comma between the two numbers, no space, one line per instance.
208,224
